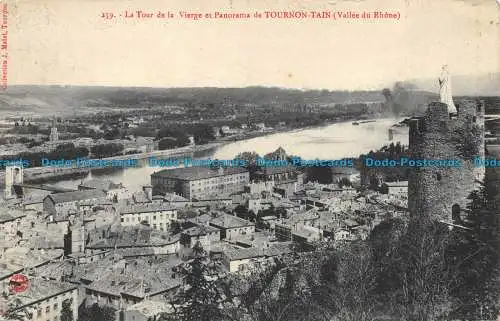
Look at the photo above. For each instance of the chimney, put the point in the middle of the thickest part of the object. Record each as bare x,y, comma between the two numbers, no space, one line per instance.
148,190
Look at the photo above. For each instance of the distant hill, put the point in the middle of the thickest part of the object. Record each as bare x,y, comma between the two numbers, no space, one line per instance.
68,99
60,98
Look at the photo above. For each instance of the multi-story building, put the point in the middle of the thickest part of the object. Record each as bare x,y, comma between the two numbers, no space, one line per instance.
158,216
46,300
205,235
13,175
70,201
196,182
10,221
232,226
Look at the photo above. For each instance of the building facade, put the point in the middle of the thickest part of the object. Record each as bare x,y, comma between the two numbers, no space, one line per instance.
158,217
13,175
46,300
70,201
198,182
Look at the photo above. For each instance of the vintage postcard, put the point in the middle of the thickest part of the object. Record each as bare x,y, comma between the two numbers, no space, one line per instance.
251,160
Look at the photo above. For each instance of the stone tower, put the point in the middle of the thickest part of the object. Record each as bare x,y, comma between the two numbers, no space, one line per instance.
77,238
445,135
74,240
13,175
54,134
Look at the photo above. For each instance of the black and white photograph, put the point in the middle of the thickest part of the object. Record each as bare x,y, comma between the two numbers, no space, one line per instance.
250,160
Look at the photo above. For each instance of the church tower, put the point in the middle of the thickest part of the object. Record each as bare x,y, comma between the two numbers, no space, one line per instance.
54,134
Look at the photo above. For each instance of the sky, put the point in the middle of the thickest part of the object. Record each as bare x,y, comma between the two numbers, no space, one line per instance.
68,43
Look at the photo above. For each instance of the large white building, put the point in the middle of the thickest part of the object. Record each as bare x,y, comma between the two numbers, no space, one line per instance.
196,182
158,216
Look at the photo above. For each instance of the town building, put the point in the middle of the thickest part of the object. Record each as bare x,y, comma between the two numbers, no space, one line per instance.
69,201
13,175
205,235
277,174
158,216
247,259
132,241
397,188
10,221
175,200
128,282
147,310
45,300
198,182
232,226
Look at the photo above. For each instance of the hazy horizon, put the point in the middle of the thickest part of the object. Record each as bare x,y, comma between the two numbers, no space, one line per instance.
429,85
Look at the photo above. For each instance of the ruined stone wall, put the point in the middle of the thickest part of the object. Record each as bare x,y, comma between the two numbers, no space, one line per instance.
432,191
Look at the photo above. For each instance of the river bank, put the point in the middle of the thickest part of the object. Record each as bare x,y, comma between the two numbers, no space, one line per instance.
333,139
51,173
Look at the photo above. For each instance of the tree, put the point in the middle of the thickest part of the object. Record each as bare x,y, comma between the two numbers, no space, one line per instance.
251,159
423,273
106,150
175,227
201,297
344,181
95,312
322,175
351,287
202,133
475,254
66,311
241,211
12,311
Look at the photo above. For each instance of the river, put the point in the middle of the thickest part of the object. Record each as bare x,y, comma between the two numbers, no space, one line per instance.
329,142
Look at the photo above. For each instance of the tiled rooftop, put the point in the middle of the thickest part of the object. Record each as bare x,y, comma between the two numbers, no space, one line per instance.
40,289
230,221
76,196
196,173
